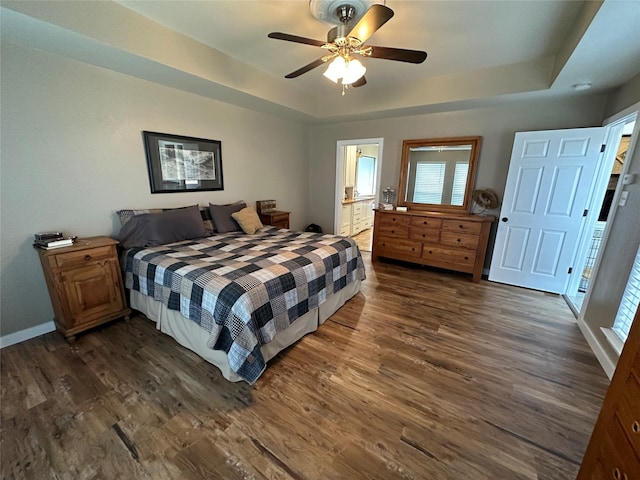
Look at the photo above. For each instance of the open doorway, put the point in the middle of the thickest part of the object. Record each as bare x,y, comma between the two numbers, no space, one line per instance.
358,168
592,243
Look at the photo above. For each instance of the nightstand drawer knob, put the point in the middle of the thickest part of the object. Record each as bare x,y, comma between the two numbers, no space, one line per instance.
87,257
635,427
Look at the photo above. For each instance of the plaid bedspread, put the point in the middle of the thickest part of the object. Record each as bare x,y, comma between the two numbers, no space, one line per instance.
243,289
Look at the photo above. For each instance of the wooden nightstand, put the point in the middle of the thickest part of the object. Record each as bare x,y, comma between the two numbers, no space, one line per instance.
275,218
85,284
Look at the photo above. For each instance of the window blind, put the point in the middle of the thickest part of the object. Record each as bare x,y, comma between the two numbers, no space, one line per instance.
629,303
429,182
459,183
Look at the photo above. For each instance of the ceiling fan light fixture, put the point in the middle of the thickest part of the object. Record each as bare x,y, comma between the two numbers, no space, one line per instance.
354,70
336,69
349,70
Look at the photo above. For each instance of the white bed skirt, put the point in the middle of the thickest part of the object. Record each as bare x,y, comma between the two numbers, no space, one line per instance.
190,335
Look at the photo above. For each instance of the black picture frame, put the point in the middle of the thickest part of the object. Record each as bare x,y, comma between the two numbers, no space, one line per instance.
183,164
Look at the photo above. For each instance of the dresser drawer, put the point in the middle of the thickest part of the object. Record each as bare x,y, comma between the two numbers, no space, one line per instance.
462,240
628,412
82,257
461,226
394,231
391,220
426,222
616,457
403,248
424,234
448,255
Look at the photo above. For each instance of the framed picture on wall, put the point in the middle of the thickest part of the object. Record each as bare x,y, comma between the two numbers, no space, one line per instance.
183,164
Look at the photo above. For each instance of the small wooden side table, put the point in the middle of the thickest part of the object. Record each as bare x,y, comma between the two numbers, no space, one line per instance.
275,218
85,284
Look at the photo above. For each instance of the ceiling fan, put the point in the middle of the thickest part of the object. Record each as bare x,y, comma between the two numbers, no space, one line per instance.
347,40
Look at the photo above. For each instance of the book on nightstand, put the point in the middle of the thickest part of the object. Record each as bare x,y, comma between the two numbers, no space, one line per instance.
50,240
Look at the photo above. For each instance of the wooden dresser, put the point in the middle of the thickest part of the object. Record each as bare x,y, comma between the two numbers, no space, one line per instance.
275,218
85,284
452,241
614,449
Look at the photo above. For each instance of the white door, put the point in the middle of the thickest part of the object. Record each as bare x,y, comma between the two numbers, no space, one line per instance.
548,185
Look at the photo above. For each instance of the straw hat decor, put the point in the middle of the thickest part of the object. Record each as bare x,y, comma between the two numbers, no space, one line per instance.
486,198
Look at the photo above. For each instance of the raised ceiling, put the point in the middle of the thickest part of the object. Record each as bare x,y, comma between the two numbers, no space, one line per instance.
479,51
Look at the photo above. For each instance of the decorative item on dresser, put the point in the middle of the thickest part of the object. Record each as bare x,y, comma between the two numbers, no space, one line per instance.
446,240
85,284
614,449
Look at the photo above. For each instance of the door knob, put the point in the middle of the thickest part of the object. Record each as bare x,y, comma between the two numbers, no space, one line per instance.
504,219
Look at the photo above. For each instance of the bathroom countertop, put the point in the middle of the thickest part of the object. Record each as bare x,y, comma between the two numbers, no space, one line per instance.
357,199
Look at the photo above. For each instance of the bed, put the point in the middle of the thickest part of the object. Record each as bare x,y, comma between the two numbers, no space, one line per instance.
237,299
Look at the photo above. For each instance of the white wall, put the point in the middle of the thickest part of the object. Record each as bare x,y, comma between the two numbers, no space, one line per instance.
72,154
497,125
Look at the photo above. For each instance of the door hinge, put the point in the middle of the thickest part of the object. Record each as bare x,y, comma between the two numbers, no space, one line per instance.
602,148
586,210
570,270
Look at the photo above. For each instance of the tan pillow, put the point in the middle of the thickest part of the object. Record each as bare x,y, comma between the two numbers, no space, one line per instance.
248,220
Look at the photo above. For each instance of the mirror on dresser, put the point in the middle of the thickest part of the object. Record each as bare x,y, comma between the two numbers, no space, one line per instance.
438,174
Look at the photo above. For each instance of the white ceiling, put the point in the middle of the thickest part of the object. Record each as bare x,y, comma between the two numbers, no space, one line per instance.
479,51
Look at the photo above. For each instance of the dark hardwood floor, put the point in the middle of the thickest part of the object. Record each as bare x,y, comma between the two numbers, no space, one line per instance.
423,375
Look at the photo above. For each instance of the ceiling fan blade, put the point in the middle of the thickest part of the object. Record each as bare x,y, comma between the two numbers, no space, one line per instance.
371,21
360,82
294,38
305,69
398,54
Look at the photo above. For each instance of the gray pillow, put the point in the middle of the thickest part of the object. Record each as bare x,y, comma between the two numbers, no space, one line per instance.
221,216
151,229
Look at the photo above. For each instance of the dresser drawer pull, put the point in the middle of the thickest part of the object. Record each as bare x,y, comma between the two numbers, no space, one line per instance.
423,235
393,231
460,226
458,240
635,427
466,258
430,251
87,257
619,475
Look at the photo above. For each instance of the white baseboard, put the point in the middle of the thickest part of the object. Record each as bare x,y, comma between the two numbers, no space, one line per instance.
27,334
605,362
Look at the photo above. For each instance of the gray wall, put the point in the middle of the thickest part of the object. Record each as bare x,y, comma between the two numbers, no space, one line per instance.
623,97
72,154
